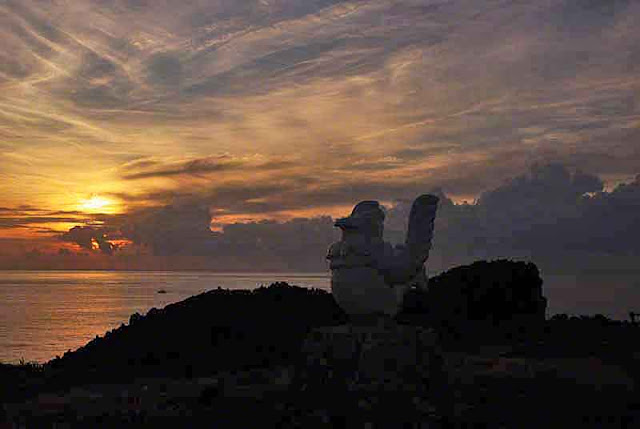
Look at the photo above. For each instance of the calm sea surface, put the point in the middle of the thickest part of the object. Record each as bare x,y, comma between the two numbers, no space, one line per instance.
45,313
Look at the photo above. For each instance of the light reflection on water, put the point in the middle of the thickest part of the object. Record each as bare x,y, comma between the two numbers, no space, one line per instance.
45,313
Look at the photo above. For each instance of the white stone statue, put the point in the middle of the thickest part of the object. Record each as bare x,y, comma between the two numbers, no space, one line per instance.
369,275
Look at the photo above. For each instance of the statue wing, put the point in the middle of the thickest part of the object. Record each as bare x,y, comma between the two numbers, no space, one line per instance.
421,224
404,263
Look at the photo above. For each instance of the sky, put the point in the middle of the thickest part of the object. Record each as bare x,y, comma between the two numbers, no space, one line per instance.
227,134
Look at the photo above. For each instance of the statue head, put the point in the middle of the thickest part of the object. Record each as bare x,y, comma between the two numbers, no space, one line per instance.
367,218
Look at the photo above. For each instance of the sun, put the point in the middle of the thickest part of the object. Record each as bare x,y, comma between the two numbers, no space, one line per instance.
96,203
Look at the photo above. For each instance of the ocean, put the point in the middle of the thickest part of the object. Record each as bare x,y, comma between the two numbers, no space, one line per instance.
45,313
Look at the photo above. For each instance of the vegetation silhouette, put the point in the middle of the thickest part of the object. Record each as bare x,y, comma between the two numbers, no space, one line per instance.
216,330
501,297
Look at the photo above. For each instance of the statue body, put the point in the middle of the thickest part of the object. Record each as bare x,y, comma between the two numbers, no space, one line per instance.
369,275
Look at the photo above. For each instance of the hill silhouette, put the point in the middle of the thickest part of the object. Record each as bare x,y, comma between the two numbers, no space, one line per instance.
216,330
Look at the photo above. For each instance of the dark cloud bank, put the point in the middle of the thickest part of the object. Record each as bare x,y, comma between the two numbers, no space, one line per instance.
89,238
550,214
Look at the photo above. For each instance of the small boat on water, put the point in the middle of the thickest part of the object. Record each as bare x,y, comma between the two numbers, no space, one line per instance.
162,291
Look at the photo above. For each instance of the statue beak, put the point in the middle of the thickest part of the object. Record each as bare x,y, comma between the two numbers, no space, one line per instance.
344,223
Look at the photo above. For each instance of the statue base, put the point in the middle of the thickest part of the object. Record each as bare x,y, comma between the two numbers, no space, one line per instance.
374,358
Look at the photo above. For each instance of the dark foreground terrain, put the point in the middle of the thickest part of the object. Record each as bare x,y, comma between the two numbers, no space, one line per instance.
225,358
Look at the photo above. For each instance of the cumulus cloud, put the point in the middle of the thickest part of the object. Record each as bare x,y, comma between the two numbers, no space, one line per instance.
551,214
89,238
295,245
171,230
184,230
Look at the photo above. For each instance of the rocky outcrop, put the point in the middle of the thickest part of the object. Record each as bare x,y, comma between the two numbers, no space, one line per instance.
500,294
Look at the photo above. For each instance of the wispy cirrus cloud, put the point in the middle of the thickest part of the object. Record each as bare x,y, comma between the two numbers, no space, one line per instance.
147,168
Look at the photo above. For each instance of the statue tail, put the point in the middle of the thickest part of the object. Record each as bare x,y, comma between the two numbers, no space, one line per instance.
420,229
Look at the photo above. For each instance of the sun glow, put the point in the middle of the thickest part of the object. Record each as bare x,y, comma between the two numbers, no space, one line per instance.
97,204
